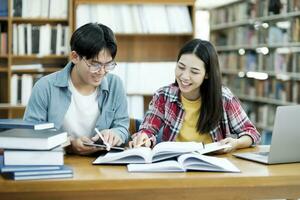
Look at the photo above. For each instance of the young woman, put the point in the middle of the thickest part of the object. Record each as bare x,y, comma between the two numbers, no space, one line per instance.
197,107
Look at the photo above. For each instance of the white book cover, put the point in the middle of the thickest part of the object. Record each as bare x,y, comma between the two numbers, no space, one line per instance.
135,106
117,18
27,83
27,67
83,14
136,20
59,31
35,9
134,78
62,12
14,89
29,39
15,39
28,157
126,19
65,46
44,8
53,9
21,39
25,8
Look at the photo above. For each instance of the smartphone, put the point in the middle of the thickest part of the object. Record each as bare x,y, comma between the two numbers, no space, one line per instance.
103,146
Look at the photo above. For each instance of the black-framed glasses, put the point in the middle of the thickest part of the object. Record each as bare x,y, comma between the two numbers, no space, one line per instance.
95,67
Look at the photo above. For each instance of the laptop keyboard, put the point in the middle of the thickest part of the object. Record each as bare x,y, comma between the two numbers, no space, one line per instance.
262,153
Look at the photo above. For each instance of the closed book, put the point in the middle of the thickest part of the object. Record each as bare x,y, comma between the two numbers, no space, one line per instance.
19,123
63,170
31,139
43,176
28,157
187,162
18,168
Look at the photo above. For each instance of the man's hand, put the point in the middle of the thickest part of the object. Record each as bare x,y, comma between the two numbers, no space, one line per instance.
109,137
79,148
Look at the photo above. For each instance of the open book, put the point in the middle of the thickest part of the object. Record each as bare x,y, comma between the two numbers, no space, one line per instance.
187,162
161,151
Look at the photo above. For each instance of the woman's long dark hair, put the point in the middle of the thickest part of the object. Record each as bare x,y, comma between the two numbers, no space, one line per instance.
211,89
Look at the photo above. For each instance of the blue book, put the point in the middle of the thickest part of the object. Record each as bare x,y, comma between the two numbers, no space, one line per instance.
3,8
19,123
18,168
63,170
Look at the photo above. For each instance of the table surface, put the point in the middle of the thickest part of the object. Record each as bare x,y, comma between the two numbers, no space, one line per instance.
114,182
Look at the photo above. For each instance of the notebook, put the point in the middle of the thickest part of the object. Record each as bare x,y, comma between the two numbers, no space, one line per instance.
285,143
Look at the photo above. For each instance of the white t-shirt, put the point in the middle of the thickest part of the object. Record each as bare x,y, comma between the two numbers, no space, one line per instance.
80,119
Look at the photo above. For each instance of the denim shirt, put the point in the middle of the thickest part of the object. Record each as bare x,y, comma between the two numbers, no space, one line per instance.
51,98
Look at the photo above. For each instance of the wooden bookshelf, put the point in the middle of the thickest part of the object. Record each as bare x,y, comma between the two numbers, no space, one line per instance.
146,47
265,41
51,62
132,47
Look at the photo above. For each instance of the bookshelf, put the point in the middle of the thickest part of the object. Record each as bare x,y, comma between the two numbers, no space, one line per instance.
150,43
259,48
28,50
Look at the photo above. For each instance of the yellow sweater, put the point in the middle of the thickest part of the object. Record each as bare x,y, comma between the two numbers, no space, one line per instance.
188,131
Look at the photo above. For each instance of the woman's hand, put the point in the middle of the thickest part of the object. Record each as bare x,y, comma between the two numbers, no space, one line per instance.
140,140
242,142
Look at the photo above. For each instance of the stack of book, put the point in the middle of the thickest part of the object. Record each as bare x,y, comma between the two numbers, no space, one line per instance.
32,154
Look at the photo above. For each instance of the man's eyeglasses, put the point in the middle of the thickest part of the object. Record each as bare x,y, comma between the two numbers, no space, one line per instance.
95,67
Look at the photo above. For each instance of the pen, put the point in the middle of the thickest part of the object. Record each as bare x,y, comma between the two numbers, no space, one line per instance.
101,136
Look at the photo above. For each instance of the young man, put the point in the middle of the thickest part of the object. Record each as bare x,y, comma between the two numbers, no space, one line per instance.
83,95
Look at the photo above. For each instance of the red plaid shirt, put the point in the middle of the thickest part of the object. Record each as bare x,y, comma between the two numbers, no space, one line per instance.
166,111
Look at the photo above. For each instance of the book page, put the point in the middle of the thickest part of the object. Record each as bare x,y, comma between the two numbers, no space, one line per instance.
166,150
164,166
213,147
198,162
136,155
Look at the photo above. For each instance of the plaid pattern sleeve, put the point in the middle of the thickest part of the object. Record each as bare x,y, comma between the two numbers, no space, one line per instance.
164,112
153,118
237,120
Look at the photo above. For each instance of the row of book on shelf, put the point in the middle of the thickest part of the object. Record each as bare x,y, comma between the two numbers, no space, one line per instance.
40,39
32,150
281,60
271,88
245,10
263,115
137,18
21,87
54,9
281,32
136,78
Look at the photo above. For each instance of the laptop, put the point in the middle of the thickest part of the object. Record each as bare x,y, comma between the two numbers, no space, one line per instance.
285,143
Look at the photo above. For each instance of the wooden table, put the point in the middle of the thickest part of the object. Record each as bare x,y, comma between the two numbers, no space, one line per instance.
114,182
